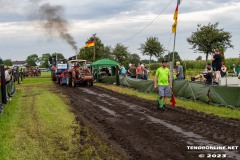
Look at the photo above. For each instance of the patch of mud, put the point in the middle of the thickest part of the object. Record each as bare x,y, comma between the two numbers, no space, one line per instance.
138,130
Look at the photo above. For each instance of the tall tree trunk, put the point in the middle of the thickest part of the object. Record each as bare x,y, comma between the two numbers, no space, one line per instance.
223,57
206,58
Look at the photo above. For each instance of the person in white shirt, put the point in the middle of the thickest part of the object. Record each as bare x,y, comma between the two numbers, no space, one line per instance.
7,75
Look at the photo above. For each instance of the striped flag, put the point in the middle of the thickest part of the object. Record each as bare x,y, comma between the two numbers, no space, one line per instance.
89,44
175,17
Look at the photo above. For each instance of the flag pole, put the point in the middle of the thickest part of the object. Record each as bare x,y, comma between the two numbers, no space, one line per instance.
172,64
94,36
174,44
174,29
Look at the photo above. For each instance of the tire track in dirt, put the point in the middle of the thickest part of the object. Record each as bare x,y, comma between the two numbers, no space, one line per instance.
227,129
135,126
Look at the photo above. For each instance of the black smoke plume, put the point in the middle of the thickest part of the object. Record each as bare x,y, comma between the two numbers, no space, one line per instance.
51,18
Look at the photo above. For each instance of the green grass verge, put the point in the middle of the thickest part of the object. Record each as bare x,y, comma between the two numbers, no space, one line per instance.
202,107
45,74
37,124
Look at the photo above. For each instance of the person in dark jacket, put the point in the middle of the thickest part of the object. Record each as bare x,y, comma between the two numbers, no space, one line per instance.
217,64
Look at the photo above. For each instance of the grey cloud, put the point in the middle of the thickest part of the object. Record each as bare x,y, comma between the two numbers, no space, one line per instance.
99,11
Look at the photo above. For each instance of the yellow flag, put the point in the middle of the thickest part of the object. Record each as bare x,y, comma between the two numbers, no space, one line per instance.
175,17
174,27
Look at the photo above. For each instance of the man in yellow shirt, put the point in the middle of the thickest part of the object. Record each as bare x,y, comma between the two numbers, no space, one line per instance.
163,82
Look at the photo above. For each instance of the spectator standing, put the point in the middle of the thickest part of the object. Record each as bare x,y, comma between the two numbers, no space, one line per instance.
237,69
132,71
95,72
127,70
139,71
217,64
163,82
180,75
223,70
7,74
123,70
144,72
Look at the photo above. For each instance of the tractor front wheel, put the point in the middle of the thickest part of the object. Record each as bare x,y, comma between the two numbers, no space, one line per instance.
90,83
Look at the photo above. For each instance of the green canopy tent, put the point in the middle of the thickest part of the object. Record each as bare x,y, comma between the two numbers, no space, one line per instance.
104,63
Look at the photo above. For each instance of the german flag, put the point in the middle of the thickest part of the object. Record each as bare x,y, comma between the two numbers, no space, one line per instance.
89,44
175,17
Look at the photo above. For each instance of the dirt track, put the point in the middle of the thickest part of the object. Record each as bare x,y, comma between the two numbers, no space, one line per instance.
137,130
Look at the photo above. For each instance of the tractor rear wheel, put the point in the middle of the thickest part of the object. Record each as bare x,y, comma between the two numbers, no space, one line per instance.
69,81
53,76
58,80
61,82
73,83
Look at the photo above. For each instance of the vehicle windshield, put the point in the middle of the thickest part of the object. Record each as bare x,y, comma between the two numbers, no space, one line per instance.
81,64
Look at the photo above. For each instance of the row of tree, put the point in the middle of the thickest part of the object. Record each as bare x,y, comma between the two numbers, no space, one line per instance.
204,40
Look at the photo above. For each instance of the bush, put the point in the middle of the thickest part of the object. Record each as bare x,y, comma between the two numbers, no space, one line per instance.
154,66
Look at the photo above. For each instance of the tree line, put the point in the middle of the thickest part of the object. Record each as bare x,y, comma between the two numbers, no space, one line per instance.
204,40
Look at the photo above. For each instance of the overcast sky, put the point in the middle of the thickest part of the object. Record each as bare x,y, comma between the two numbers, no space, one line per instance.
119,21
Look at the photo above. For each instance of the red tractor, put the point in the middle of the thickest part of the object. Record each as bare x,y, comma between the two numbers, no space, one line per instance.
79,74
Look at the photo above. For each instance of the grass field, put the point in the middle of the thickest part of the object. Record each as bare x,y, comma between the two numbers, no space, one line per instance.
45,74
37,124
202,107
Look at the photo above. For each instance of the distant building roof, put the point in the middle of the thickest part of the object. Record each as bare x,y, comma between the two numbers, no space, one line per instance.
16,63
